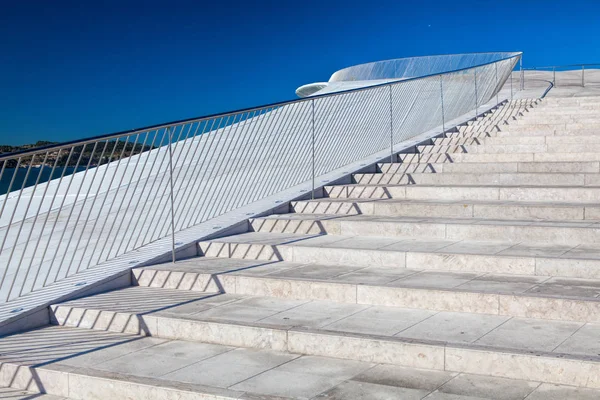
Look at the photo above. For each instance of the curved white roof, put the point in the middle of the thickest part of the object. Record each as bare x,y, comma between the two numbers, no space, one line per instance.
379,72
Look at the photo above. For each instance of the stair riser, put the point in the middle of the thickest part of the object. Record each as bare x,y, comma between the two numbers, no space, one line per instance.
397,351
592,167
505,233
478,179
416,192
549,126
518,305
410,260
517,140
506,132
501,212
511,148
498,157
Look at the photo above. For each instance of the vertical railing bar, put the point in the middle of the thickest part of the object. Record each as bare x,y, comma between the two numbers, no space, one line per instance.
41,235
511,84
279,159
476,97
497,87
216,165
187,221
185,169
300,124
442,103
144,215
258,150
66,225
269,122
147,154
254,125
522,73
222,149
292,124
313,147
164,195
114,198
28,240
289,132
273,155
224,161
137,181
135,167
161,227
183,157
81,206
391,127
194,173
24,218
10,185
87,196
59,209
108,190
173,258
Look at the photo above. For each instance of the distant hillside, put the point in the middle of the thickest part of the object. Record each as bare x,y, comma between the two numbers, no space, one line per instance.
72,156
5,148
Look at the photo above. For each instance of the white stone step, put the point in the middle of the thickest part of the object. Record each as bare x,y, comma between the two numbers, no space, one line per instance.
481,179
505,131
550,126
499,210
560,233
490,148
560,194
492,167
444,341
512,140
93,365
550,298
393,252
497,157
511,148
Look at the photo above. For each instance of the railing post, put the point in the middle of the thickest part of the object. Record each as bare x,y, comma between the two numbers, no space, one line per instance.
511,84
554,76
497,88
442,99
522,73
391,127
476,100
313,147
583,76
173,259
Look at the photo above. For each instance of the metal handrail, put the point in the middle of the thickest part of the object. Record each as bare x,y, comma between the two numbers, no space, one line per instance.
554,68
72,206
115,135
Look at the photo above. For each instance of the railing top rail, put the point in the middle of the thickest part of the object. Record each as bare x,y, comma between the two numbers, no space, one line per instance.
117,135
562,66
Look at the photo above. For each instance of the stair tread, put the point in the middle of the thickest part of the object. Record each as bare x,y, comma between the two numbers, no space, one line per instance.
416,245
535,286
449,201
136,365
432,220
437,328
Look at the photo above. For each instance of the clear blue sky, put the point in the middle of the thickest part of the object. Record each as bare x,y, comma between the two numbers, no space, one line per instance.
72,69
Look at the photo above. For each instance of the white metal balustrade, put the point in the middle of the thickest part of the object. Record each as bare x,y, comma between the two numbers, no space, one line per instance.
69,207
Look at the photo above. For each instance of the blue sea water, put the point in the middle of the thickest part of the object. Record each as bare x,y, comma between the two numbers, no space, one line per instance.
45,174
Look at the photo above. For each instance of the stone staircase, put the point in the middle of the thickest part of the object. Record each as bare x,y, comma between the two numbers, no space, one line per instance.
469,269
